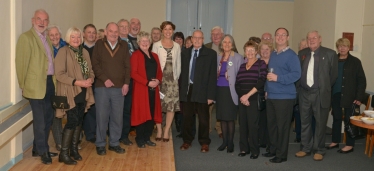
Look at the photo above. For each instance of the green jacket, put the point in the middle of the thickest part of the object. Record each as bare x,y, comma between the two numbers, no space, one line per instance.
32,65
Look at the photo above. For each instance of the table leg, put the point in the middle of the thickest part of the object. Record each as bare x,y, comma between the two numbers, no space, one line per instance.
367,144
371,144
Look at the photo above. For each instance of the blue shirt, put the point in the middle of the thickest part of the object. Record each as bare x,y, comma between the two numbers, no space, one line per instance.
287,67
191,60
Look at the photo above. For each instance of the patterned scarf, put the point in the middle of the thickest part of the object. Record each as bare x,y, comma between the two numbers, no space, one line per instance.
81,61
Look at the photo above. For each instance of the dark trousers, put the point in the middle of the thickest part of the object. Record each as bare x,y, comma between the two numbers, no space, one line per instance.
310,105
144,130
202,111
180,117
42,113
279,115
263,133
249,118
127,113
296,115
75,116
89,121
337,114
57,130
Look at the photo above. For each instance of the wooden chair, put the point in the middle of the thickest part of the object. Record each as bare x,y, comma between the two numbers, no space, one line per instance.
366,102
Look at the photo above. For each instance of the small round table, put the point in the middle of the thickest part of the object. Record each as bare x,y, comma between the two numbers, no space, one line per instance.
369,136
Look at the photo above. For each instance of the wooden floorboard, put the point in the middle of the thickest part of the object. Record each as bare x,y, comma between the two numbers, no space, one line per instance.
158,158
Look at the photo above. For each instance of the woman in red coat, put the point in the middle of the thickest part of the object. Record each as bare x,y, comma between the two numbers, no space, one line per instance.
146,104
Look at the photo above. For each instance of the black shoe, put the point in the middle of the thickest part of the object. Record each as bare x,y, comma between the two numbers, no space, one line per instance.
262,145
150,143
242,154
268,154
222,147
101,151
126,141
35,154
345,152
332,147
277,160
46,158
117,149
297,140
179,135
230,149
254,156
92,140
75,143
141,145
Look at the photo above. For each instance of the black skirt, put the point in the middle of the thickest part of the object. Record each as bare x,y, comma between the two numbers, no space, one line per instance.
226,110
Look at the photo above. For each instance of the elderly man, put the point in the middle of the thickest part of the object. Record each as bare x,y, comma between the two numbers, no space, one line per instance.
135,27
198,81
34,67
319,72
123,25
267,37
111,64
155,34
281,95
89,121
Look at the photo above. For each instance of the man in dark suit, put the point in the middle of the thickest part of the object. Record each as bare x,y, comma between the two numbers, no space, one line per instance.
319,72
197,90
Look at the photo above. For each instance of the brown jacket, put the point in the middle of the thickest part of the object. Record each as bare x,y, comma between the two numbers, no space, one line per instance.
66,70
111,64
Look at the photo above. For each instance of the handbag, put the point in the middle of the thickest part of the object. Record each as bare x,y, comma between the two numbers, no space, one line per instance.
60,102
261,101
349,128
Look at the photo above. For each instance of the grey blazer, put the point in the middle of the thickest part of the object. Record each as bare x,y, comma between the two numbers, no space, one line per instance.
236,60
328,72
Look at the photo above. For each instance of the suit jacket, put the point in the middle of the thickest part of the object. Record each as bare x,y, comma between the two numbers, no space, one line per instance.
32,64
236,60
205,77
140,109
328,72
162,55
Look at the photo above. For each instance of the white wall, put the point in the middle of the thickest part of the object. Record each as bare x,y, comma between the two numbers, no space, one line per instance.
367,53
253,18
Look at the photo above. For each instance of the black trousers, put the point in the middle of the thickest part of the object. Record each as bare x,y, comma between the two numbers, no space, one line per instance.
202,111
263,133
42,113
144,130
279,115
75,116
89,121
337,114
249,118
127,113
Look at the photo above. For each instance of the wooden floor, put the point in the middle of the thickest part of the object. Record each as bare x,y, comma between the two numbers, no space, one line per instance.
156,158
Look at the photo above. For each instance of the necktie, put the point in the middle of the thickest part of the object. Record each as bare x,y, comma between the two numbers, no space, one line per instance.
309,75
193,66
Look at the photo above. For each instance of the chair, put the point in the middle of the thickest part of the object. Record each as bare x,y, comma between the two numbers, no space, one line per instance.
366,102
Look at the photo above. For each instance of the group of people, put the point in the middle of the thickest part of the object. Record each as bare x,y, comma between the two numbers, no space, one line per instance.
128,78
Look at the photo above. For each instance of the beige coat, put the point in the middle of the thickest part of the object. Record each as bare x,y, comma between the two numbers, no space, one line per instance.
66,70
162,55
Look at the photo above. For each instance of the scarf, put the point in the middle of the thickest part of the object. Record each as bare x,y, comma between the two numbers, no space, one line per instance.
81,61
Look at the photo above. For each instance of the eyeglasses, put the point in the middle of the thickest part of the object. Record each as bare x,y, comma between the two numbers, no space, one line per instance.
313,38
266,38
39,20
281,35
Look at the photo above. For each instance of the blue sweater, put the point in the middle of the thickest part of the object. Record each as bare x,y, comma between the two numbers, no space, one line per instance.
287,67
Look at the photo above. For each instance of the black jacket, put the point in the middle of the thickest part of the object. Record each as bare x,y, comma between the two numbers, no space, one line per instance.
354,82
205,78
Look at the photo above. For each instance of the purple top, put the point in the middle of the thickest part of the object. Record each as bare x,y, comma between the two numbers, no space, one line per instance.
222,81
47,48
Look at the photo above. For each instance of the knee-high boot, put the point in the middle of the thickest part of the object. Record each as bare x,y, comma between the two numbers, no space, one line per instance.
74,144
65,144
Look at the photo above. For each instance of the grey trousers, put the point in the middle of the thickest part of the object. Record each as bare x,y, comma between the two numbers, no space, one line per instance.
310,105
109,109
57,130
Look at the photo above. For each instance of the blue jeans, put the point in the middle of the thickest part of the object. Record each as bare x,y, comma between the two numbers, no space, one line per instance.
42,113
109,109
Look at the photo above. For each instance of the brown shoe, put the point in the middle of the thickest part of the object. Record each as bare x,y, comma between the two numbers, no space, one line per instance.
185,146
204,148
133,133
318,157
220,135
301,154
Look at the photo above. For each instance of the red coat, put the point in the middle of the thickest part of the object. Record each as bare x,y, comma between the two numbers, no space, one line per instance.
140,111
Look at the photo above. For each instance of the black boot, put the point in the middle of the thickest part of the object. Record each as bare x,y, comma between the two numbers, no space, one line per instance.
74,144
65,144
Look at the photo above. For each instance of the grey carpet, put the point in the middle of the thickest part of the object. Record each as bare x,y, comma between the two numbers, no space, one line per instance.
193,160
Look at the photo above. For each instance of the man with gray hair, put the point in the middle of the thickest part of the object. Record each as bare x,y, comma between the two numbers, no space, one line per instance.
111,64
35,70
267,37
135,27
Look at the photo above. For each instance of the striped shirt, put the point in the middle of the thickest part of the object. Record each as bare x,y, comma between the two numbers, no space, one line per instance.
247,79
